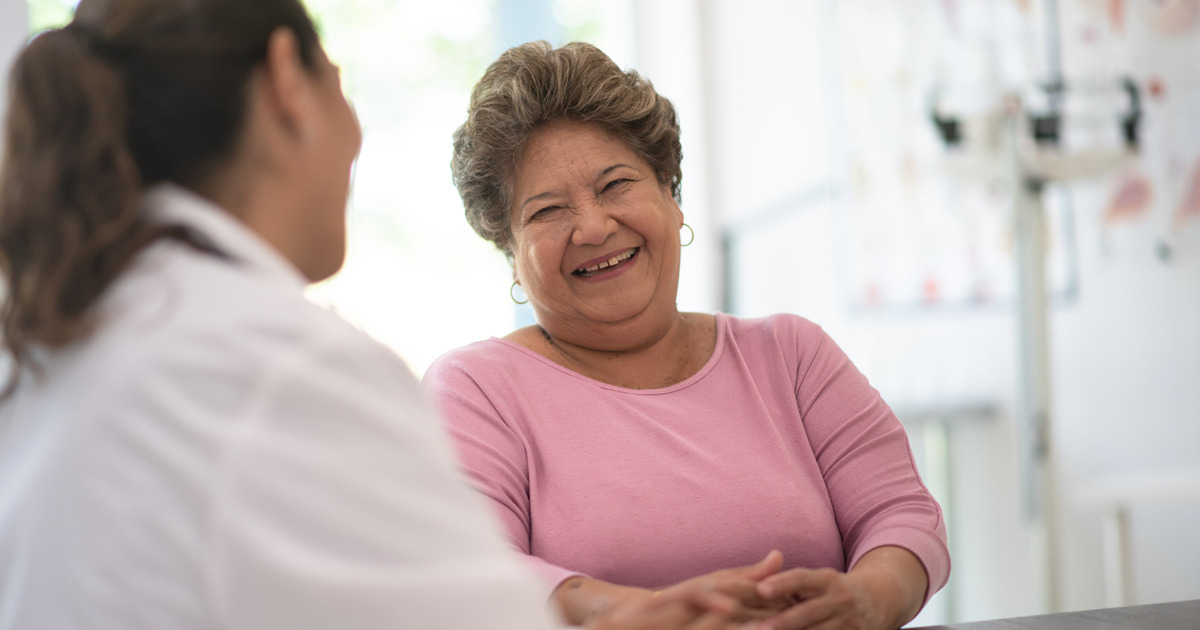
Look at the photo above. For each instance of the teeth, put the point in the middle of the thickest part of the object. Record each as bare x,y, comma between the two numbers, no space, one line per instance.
610,262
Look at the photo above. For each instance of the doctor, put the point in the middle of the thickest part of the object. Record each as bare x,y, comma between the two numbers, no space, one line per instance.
185,442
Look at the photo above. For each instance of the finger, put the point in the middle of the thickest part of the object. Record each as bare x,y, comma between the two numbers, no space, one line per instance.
750,606
770,565
754,614
721,591
746,592
803,582
836,622
645,613
701,595
804,616
710,621
717,602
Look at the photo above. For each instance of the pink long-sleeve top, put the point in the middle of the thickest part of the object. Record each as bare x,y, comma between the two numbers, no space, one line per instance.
778,442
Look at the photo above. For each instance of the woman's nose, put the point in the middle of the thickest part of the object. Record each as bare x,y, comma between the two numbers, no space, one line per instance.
593,225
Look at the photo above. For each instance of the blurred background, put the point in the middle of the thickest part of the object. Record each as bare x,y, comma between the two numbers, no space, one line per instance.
1068,463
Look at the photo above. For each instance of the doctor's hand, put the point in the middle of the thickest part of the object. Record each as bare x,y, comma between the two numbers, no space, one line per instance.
883,591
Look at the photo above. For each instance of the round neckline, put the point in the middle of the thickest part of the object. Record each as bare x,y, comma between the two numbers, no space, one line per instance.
718,350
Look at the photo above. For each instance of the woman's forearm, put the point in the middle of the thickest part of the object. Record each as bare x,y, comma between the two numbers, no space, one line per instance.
579,599
897,582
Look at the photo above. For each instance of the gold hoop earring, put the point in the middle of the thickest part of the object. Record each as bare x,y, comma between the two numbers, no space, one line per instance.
514,298
693,233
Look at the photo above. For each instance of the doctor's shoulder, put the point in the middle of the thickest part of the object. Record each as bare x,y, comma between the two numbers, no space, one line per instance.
193,310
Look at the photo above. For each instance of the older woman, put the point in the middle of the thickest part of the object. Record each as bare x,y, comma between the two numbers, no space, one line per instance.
628,446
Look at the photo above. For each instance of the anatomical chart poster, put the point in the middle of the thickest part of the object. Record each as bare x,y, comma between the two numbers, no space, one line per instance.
920,239
1149,209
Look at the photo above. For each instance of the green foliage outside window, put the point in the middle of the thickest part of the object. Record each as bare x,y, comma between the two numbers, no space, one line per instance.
47,14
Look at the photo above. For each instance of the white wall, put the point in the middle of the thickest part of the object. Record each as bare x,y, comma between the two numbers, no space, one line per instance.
14,31
1127,397
1125,354
670,51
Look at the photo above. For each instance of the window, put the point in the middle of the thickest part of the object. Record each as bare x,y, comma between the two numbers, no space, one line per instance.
416,277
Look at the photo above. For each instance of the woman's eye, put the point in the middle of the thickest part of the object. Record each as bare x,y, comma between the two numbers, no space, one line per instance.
543,212
614,183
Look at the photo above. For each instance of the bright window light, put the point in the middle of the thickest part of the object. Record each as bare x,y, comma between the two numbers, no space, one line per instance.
416,277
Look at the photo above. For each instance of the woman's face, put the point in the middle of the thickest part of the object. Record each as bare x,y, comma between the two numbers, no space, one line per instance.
595,236
289,179
332,152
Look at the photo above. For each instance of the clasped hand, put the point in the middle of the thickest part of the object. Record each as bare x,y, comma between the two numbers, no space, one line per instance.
758,597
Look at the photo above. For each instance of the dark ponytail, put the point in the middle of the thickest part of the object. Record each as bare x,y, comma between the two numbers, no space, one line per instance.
69,216
131,93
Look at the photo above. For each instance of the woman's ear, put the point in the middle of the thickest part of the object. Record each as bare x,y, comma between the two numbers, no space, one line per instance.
286,84
675,204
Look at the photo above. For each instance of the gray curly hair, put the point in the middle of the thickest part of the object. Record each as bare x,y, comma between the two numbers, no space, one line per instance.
533,84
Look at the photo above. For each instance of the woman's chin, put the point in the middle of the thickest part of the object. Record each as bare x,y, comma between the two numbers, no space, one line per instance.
628,313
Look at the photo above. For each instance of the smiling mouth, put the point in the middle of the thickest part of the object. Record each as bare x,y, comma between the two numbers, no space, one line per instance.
607,265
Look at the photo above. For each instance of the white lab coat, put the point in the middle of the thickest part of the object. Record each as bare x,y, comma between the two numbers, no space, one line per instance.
221,453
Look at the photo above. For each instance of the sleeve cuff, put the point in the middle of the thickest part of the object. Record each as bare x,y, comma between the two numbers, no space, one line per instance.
550,575
929,548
